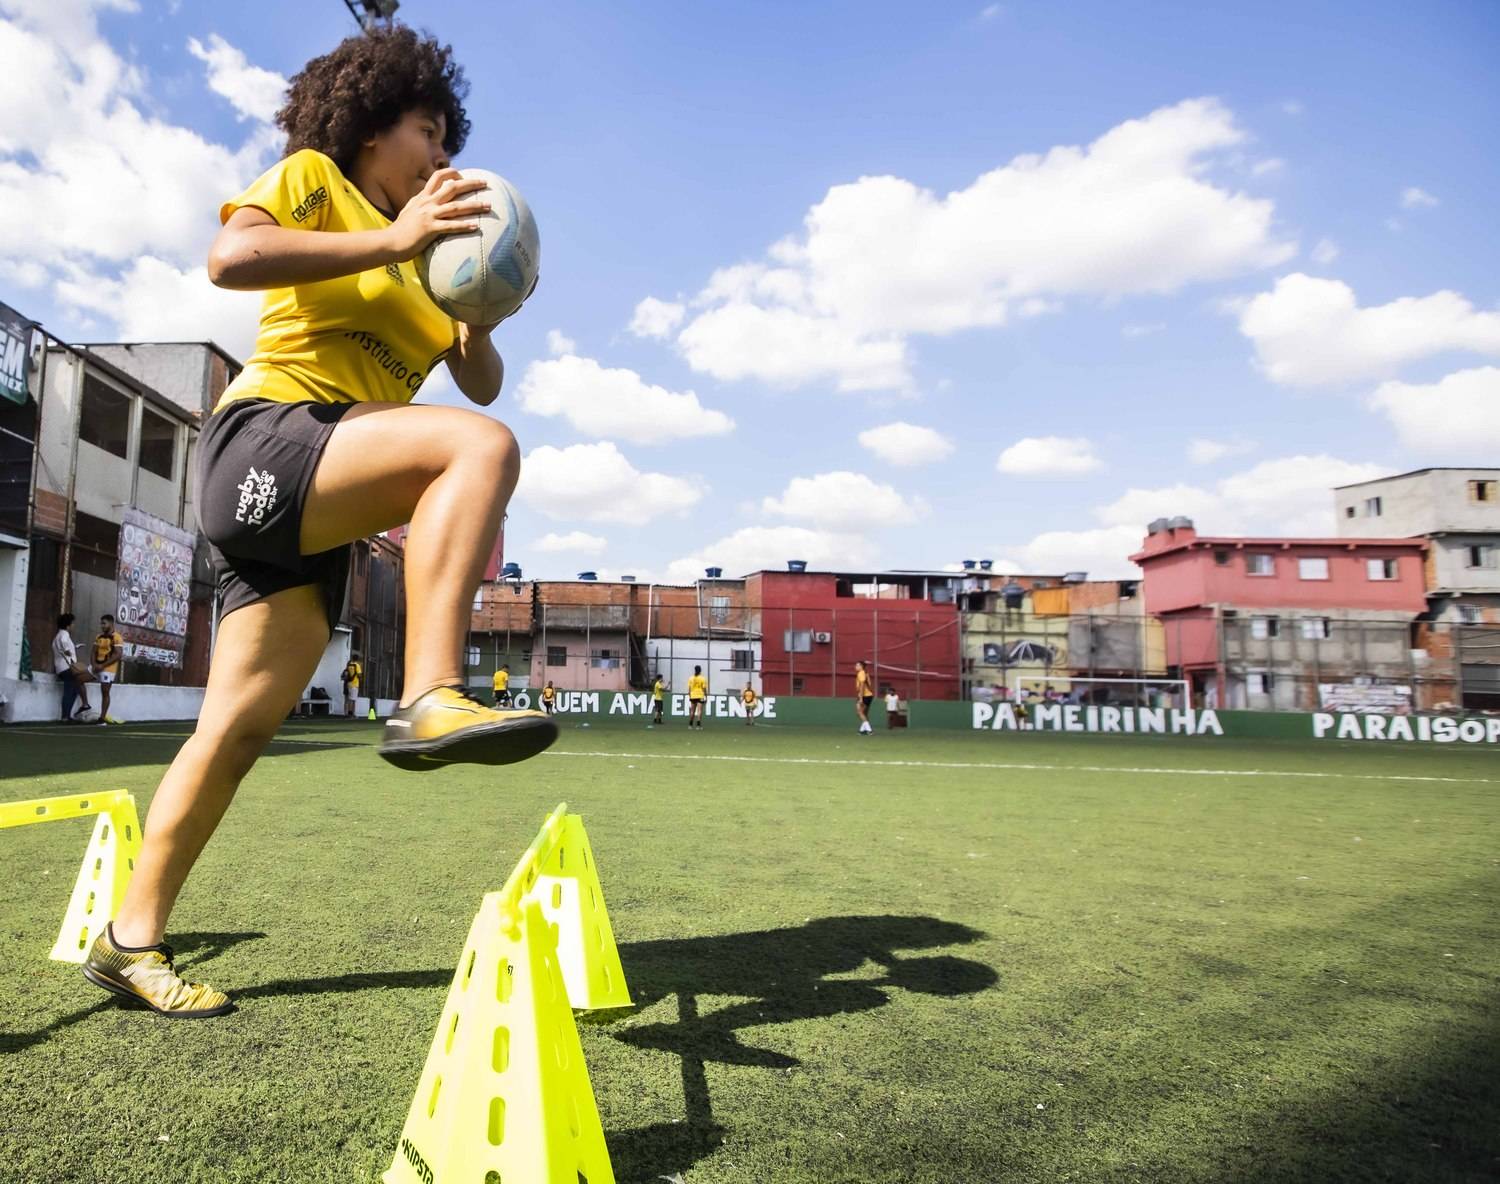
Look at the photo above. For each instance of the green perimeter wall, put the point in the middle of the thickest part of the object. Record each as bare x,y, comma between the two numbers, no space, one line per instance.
966,717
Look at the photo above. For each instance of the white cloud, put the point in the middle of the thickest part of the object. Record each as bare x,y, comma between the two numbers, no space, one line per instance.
1413,198
1048,456
560,344
576,541
1325,252
255,93
1263,168
1205,452
600,401
100,195
843,501
1287,496
1458,416
1291,107
881,259
595,483
1131,332
1310,332
990,11
153,300
755,548
906,444
656,318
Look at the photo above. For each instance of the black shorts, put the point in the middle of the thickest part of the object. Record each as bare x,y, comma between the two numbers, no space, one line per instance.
256,461
867,700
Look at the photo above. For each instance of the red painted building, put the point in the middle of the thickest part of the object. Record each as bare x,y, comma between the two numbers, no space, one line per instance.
1260,622
815,625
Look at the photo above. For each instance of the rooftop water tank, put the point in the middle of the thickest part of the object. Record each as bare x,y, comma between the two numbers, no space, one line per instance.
588,575
796,565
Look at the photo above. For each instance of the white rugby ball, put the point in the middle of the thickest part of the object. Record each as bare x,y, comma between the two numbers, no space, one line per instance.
485,275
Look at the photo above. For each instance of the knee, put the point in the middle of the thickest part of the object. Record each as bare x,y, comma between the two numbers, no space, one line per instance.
490,443
236,748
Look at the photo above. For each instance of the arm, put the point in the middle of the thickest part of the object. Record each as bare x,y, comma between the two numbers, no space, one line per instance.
476,365
254,251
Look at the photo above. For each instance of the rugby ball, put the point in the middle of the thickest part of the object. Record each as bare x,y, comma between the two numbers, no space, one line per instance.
485,275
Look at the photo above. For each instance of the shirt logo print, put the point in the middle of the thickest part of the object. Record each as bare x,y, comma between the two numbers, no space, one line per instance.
257,497
318,197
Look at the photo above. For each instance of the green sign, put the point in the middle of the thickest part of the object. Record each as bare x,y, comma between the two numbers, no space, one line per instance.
15,354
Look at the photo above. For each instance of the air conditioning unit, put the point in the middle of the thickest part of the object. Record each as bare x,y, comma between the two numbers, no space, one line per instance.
825,638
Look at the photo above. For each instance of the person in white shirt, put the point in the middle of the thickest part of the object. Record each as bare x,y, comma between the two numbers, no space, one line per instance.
66,666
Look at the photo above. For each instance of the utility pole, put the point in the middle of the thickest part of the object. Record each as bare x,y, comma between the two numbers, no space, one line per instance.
372,13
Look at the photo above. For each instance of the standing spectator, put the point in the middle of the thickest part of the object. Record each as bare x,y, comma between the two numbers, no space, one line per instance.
549,698
697,696
109,648
350,677
658,692
502,686
65,666
864,695
747,697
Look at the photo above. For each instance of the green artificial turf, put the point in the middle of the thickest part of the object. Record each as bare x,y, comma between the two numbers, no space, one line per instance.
1113,963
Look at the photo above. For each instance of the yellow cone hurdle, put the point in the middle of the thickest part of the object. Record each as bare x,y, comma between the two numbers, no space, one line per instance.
108,861
505,1097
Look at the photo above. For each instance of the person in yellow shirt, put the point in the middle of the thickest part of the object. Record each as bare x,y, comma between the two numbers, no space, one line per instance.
109,648
351,676
864,695
697,696
747,697
549,698
502,686
314,445
658,692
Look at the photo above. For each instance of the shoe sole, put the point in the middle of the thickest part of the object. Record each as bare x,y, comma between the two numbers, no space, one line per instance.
502,743
129,996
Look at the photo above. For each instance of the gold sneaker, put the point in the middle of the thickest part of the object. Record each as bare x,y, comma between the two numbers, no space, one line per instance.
146,977
448,726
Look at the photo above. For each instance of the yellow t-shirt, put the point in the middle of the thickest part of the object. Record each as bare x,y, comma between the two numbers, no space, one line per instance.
697,687
862,684
656,689
502,679
546,694
748,696
366,338
102,645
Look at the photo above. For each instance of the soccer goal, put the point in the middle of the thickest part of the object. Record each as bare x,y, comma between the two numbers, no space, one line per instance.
1117,692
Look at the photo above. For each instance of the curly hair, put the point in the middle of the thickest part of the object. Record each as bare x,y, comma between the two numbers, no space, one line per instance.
366,85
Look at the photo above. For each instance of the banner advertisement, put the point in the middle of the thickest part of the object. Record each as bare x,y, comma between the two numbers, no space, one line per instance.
1365,697
156,567
638,704
15,354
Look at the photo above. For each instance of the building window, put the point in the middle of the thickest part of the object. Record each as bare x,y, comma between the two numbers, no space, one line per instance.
797,641
1264,628
742,659
105,419
1317,628
479,598
605,659
1348,511
1259,682
1260,565
718,610
158,450
1221,558
557,655
1372,507
1315,568
797,685
1481,491
1469,614
1381,569
473,655
1481,555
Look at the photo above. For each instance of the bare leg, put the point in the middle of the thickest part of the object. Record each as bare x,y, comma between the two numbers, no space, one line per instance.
446,471
266,653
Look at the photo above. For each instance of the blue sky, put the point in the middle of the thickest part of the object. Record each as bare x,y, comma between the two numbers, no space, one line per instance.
1081,265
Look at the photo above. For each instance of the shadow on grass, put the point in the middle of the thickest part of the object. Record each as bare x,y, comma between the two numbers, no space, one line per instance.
41,750
789,975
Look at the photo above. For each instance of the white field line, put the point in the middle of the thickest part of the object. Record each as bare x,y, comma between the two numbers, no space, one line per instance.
809,760
837,761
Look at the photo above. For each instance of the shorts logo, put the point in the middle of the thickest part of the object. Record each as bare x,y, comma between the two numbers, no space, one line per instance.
313,201
257,497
